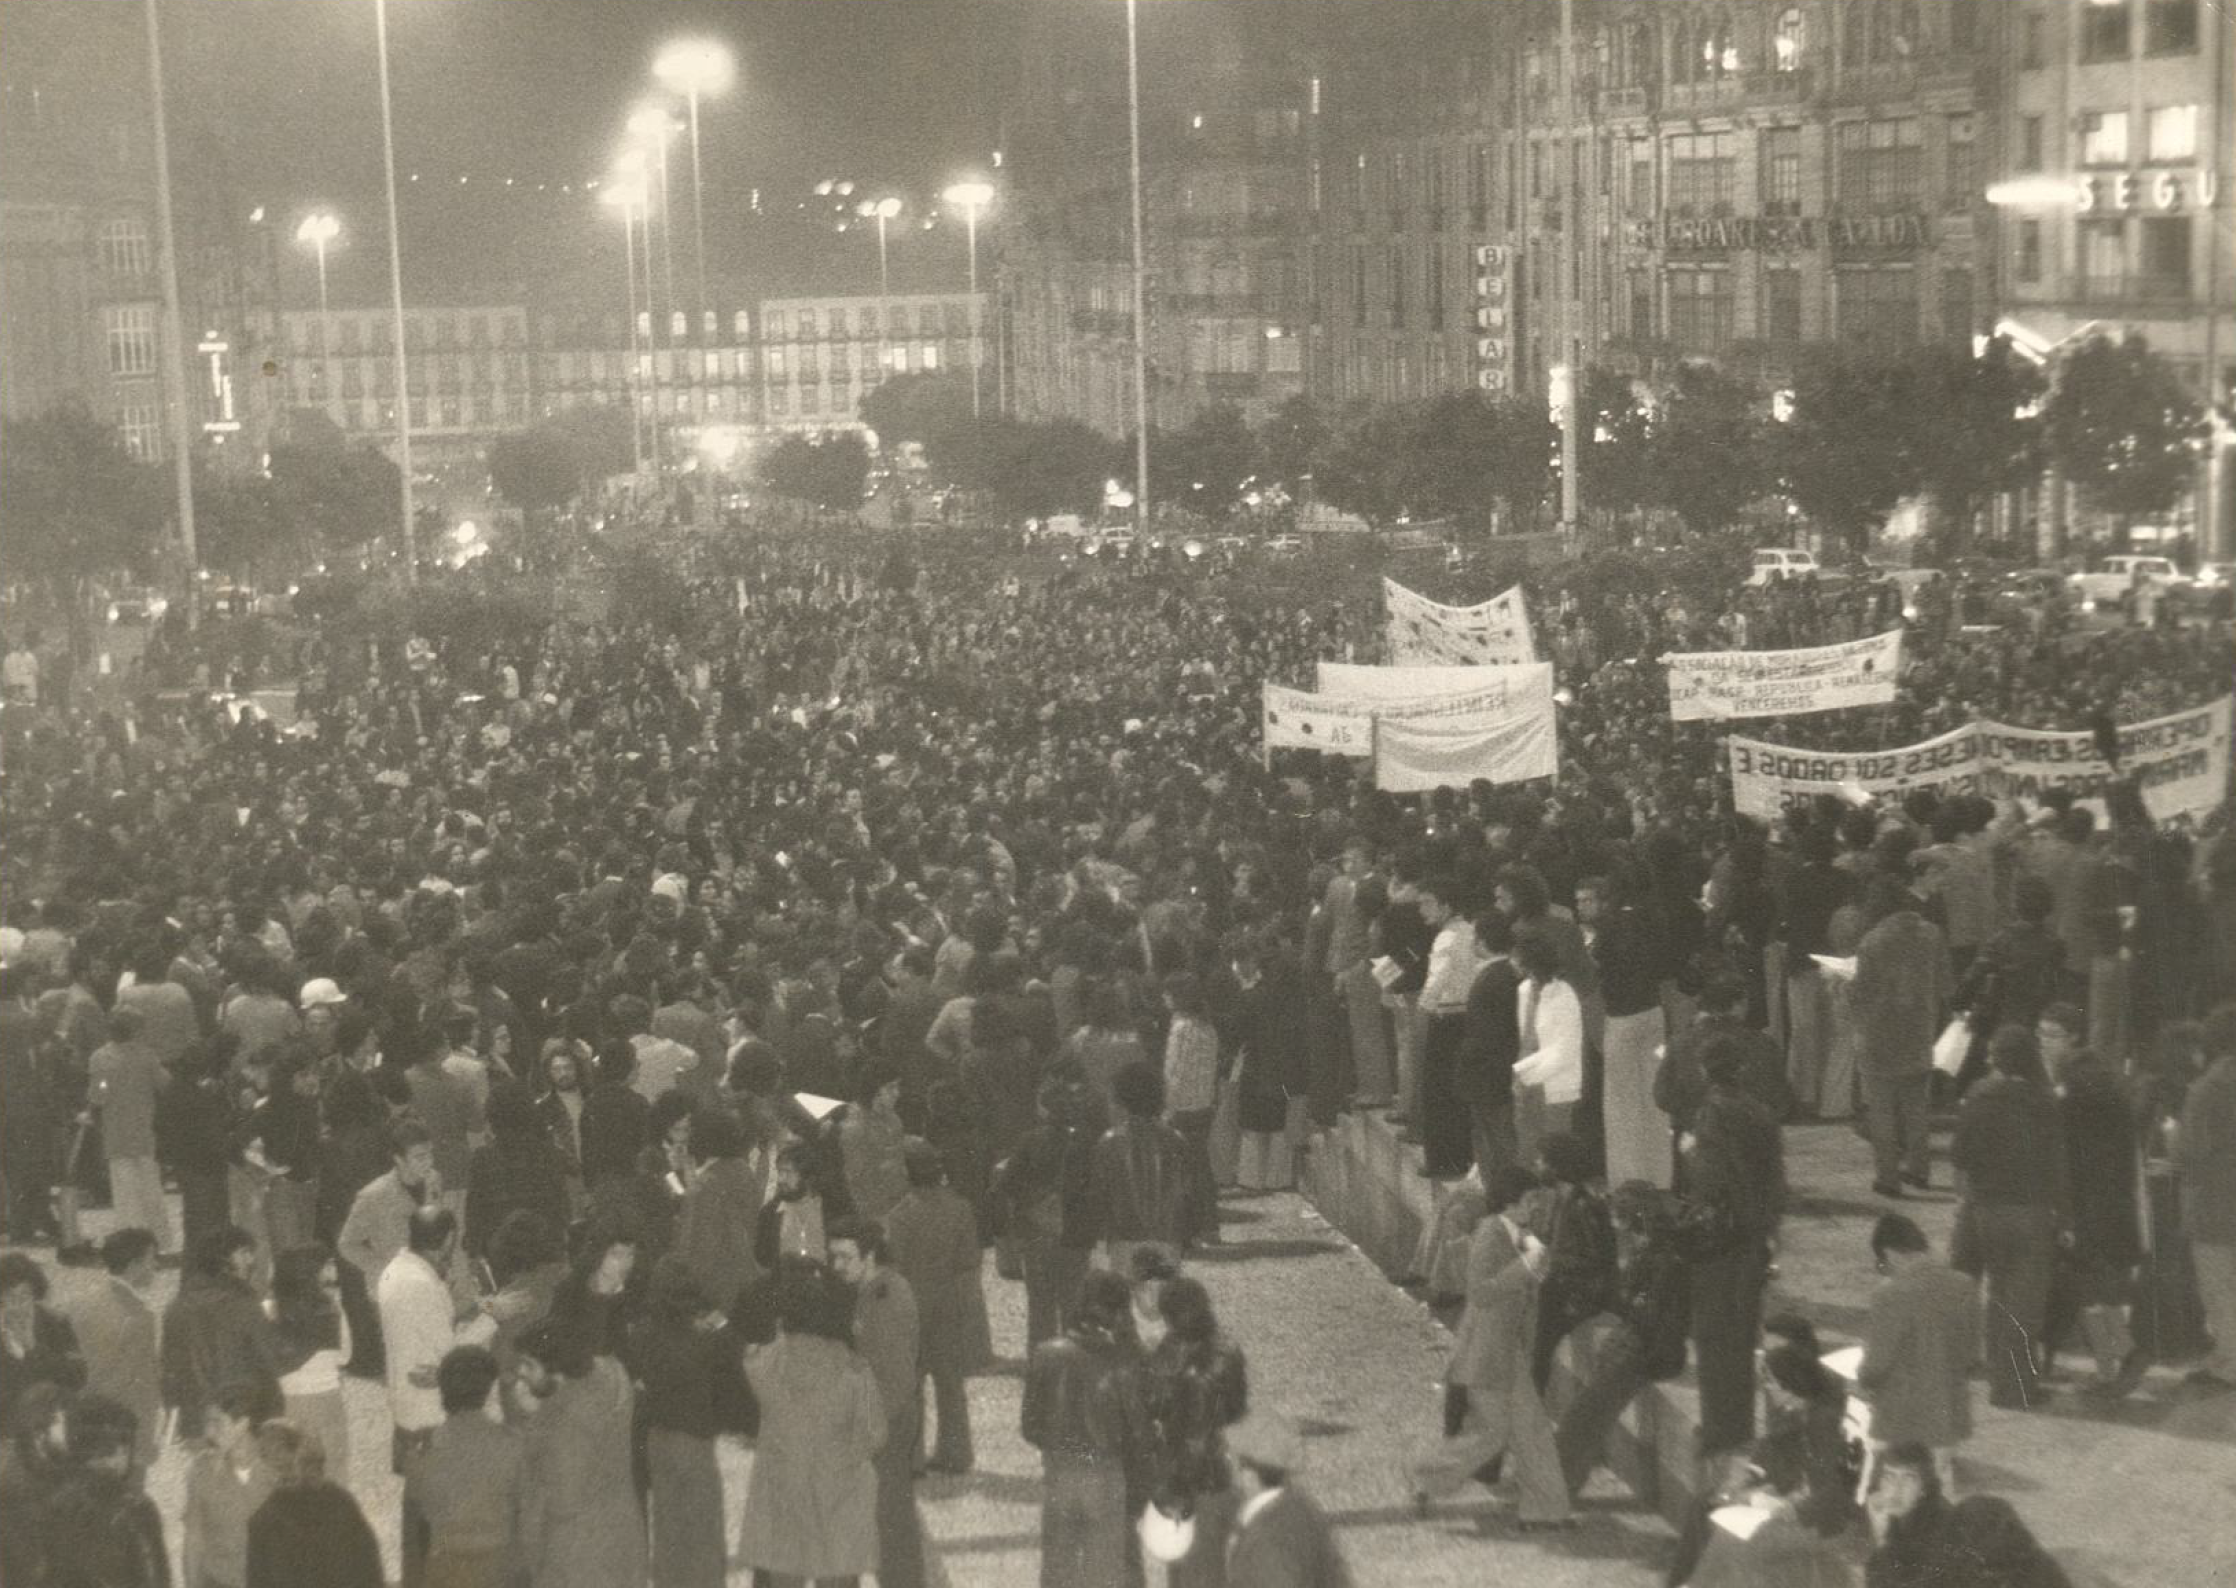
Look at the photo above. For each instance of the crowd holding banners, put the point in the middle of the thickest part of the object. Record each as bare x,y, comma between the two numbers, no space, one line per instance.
1018,806
1721,685
1491,633
2181,763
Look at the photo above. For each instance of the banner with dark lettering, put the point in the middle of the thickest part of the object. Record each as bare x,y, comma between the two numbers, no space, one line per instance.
1718,686
1423,632
2182,761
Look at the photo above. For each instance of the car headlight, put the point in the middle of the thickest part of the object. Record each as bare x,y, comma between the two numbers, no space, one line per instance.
112,611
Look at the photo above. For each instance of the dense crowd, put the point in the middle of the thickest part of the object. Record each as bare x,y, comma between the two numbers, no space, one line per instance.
627,1034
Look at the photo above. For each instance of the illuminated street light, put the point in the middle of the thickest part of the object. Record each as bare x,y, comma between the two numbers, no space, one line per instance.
695,68
628,197
319,229
881,211
632,172
972,197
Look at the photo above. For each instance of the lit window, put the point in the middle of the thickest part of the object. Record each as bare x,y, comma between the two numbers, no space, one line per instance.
740,326
1790,40
2104,137
2173,132
679,324
140,419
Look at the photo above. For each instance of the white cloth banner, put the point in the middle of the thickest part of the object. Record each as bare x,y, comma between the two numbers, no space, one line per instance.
2182,761
1412,756
1502,689
1295,720
1491,633
1721,685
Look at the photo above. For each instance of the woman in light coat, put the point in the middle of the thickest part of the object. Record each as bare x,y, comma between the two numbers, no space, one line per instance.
811,1506
582,1526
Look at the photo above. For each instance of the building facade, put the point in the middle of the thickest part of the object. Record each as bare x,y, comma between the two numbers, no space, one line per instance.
2114,208
1755,178
1225,112
821,355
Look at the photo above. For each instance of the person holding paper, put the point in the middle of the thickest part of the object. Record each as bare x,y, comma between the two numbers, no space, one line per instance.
1549,1077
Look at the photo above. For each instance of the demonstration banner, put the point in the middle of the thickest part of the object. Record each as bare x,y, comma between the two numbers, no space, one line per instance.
1420,631
1500,689
1721,685
2181,760
1296,720
1413,756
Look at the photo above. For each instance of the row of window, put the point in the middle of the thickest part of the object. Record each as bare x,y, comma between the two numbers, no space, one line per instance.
2108,31
924,319
1879,304
1709,43
2116,257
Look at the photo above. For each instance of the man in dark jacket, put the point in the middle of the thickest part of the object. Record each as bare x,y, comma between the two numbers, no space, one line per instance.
2010,1150
1736,1174
1084,1413
1490,1042
1681,1084
215,1333
1140,1186
2092,1280
1281,1538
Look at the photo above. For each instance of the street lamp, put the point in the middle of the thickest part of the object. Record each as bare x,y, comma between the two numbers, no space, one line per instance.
172,336
881,211
973,197
628,198
653,128
1141,288
319,229
633,172
396,297
692,67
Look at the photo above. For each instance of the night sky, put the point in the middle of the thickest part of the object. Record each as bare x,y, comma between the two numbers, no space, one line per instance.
897,94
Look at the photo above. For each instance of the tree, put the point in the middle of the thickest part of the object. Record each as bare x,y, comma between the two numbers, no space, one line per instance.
1362,467
342,498
239,527
1977,432
1526,441
534,469
1847,454
1290,441
1453,455
788,469
931,408
1706,457
1032,470
79,507
1618,464
2121,427
1202,465
841,468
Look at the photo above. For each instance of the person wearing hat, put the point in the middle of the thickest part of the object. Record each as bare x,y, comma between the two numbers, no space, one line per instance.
1281,1538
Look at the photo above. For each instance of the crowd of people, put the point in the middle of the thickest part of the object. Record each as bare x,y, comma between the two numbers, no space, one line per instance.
628,1034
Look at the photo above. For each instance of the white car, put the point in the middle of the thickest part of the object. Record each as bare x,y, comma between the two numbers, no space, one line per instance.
1772,563
2109,583
1284,545
1116,542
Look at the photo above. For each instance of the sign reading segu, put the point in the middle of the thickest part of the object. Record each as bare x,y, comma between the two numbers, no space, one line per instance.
2181,761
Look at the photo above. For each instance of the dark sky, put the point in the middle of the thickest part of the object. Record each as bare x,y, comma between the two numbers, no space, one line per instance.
894,93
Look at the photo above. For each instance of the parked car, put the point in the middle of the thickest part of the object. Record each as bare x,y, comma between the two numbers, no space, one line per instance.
1772,563
1284,545
1112,542
2109,583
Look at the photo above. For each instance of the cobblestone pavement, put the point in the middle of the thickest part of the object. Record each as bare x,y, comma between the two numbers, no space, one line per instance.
1329,1341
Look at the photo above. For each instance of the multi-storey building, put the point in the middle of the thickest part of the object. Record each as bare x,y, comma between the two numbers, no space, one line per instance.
467,370
1225,103
2115,208
820,356
1753,178
81,313
699,377
1406,193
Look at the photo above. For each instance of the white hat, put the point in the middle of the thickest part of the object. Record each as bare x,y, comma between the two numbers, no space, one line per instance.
672,886
319,992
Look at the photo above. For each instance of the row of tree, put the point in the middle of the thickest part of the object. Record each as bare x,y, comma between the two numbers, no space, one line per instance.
1859,432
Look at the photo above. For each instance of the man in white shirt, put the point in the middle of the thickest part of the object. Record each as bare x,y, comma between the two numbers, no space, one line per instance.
1549,1077
1445,1122
418,1325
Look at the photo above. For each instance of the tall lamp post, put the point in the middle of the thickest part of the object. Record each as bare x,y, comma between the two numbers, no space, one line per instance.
692,68
628,198
1141,286
396,298
881,211
634,172
973,197
318,230
171,335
